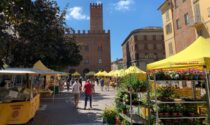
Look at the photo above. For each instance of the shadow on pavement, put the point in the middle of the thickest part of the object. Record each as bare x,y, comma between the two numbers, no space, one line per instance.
62,112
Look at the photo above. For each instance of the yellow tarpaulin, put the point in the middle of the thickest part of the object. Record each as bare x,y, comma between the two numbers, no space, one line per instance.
40,65
110,74
104,73
76,74
119,73
135,70
195,55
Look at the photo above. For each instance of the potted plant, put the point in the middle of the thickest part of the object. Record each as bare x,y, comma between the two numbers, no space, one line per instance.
144,86
160,75
167,110
164,110
179,109
191,111
109,115
124,109
126,98
174,75
165,93
161,110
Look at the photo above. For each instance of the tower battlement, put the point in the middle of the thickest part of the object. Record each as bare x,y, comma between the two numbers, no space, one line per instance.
80,32
96,5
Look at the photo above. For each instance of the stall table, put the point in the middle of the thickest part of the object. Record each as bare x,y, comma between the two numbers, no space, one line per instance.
19,112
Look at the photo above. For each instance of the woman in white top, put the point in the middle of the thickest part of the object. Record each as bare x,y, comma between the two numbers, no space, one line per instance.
76,88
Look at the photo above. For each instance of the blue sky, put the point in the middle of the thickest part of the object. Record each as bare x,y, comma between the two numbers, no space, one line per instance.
120,16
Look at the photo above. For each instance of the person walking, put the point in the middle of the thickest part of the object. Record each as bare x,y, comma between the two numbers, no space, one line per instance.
76,91
102,84
88,93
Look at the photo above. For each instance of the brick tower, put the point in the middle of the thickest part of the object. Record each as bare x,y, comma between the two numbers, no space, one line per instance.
96,17
94,43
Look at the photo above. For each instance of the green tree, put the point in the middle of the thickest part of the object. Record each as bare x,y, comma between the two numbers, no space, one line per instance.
40,28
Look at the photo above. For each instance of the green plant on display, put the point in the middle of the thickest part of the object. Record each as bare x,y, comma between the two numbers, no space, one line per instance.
191,109
128,81
160,75
165,109
126,98
120,94
109,115
120,107
174,75
179,108
165,93
125,122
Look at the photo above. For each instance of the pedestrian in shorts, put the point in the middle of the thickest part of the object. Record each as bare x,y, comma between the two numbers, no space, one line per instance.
76,89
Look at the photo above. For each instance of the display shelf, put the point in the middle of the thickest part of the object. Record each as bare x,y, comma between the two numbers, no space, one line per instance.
195,117
156,102
172,102
135,119
178,80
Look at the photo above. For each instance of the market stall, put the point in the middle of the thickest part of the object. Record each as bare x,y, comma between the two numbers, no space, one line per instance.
131,95
19,100
190,66
51,79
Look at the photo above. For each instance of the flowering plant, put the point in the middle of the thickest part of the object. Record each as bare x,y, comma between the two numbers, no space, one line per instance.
191,74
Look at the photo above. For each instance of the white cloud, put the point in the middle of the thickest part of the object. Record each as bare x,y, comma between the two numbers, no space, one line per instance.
99,2
76,13
123,5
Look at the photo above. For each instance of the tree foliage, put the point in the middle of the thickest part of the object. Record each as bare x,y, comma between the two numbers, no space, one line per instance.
39,34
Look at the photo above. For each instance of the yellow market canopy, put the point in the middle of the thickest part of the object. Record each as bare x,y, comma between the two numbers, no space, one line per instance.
104,73
91,73
134,70
195,55
76,74
119,73
40,65
97,74
111,73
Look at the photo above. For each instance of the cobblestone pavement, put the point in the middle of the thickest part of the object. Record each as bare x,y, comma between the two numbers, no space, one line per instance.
62,111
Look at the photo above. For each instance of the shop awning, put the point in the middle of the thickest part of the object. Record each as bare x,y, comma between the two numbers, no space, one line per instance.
40,65
195,55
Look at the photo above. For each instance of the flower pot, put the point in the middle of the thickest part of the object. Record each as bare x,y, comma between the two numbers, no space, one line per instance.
124,111
161,114
201,77
186,77
143,89
180,114
191,114
175,114
195,77
166,114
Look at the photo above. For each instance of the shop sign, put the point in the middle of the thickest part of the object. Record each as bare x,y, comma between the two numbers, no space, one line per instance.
16,110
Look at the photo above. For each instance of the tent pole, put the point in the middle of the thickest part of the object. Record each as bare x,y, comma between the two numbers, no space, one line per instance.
193,90
31,88
54,92
207,92
148,101
130,100
156,106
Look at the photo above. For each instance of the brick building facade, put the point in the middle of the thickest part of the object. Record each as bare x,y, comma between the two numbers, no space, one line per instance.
184,34
94,43
143,46
184,21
